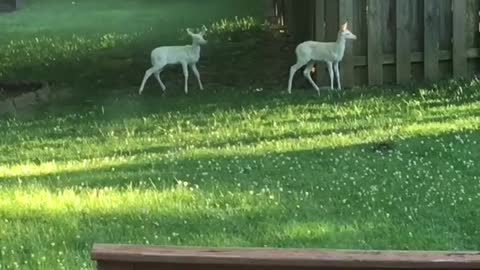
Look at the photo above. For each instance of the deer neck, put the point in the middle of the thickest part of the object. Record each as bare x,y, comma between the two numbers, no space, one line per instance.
196,48
194,51
341,43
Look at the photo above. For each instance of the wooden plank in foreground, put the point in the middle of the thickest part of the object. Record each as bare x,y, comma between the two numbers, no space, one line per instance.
138,257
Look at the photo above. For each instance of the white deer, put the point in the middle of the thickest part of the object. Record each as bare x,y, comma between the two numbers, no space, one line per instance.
177,55
332,53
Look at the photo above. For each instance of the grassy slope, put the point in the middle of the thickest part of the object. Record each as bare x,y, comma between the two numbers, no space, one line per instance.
81,43
88,17
243,170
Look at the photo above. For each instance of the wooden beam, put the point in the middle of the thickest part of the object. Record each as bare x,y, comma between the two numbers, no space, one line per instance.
184,258
416,57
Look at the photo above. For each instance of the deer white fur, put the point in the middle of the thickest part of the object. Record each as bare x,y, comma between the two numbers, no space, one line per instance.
310,52
177,55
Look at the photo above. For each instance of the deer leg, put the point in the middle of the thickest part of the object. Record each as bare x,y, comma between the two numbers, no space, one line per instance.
307,73
197,74
157,76
337,73
293,70
185,74
148,73
330,72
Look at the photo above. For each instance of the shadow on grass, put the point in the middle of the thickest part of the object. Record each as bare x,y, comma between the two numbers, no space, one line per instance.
286,226
154,169
92,124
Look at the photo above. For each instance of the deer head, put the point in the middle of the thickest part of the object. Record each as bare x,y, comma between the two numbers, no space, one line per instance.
345,33
198,38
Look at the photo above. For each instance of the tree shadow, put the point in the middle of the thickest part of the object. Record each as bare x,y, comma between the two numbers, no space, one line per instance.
210,170
95,126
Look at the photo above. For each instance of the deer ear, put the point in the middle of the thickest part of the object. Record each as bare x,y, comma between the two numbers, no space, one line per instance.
345,26
204,30
189,32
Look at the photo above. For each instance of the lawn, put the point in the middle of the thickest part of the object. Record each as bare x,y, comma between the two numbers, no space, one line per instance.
365,169
105,44
235,165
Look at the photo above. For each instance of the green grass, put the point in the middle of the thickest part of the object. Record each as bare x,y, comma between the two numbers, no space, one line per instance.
106,42
240,164
373,169
166,17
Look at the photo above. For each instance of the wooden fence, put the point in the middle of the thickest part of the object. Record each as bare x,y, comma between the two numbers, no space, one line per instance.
112,257
398,40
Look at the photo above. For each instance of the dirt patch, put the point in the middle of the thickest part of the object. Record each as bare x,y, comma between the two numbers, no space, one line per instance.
14,89
16,97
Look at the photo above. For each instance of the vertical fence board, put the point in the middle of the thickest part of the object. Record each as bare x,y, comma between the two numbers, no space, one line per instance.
388,19
388,26
417,22
289,17
417,11
311,13
303,20
459,38
269,8
320,20
473,35
473,38
283,14
331,19
360,25
347,65
320,33
431,40
403,40
360,45
375,42
446,24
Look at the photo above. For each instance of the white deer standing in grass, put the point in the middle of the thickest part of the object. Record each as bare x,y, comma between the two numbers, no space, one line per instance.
310,52
177,55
